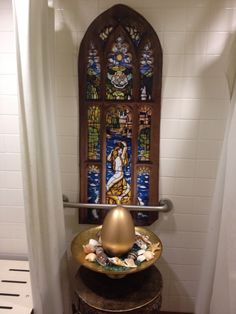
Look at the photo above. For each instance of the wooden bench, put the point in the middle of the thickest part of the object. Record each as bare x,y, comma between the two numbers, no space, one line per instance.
15,287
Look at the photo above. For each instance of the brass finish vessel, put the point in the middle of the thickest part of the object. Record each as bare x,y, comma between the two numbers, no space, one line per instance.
92,233
118,233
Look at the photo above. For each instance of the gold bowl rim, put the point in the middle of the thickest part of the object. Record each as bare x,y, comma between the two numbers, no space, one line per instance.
83,237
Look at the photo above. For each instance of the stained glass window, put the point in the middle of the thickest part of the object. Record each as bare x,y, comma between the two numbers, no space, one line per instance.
146,72
143,178
120,63
118,155
94,133
143,190
93,190
119,71
144,134
93,74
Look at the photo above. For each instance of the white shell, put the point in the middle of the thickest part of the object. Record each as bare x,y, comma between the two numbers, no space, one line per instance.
91,257
148,255
94,242
117,261
130,263
140,252
141,258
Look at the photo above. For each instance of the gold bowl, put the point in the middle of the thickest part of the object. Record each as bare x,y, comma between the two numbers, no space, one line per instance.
83,237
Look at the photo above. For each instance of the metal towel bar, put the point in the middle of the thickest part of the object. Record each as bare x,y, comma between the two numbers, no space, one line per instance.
165,205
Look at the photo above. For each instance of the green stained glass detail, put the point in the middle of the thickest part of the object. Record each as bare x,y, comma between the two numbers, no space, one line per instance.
144,134
146,72
94,117
119,72
93,74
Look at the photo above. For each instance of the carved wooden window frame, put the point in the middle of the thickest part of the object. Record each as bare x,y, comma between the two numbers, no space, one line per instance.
119,20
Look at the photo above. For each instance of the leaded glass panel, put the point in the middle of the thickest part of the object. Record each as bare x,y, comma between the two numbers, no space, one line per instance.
146,72
93,189
119,71
144,133
93,74
94,125
118,155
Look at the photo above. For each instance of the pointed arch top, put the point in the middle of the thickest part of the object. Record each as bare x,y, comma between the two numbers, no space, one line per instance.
120,76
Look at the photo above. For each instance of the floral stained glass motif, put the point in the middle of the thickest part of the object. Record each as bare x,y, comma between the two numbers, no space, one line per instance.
146,72
119,72
118,155
93,74
105,32
94,133
134,34
93,190
144,133
143,183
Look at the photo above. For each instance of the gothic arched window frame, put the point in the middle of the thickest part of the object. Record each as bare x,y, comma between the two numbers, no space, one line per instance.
137,35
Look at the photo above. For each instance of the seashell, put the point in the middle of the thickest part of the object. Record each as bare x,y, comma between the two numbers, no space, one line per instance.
116,261
148,255
141,244
141,258
99,250
140,252
130,263
88,248
142,237
102,259
91,257
94,242
133,255
154,247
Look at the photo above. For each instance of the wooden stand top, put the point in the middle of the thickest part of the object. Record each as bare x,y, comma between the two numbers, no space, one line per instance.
130,293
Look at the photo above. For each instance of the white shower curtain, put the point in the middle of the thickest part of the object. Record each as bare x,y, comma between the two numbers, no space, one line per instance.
42,188
217,288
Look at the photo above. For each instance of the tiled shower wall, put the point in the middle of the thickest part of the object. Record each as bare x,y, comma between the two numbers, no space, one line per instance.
12,225
196,38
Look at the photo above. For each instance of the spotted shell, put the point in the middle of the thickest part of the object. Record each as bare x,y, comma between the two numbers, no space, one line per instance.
102,259
130,263
133,255
116,261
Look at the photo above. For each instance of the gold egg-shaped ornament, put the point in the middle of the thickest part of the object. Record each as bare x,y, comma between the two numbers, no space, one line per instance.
118,233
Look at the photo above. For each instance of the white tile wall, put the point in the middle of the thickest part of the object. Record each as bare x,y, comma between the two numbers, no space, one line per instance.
194,35
12,223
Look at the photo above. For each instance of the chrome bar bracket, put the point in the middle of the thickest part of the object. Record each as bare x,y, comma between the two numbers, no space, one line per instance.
165,205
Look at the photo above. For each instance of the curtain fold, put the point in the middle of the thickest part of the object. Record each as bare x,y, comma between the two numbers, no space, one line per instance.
216,292
34,27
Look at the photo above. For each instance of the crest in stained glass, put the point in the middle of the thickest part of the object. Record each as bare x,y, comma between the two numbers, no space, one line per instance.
105,32
144,133
93,74
119,72
146,72
118,155
94,133
93,190
134,34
